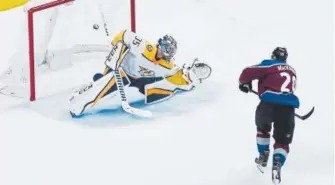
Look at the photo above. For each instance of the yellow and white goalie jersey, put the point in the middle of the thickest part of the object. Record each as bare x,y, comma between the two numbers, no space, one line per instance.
137,58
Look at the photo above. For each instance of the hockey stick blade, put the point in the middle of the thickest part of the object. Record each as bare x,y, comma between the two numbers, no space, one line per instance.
303,117
138,112
124,103
306,116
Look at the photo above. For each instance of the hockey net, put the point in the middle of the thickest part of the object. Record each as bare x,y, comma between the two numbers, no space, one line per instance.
57,30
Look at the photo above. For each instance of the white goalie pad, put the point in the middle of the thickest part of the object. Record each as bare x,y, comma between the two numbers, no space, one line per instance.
163,90
87,96
91,94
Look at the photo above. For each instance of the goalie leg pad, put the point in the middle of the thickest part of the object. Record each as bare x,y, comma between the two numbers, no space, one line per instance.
89,95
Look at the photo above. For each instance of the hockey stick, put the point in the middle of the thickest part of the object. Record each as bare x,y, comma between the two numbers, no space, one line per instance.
120,88
104,20
303,117
119,82
124,103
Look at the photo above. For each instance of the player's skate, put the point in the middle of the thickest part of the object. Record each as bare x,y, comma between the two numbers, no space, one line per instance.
262,161
276,177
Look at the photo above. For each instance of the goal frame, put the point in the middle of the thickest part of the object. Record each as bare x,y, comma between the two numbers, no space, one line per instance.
31,47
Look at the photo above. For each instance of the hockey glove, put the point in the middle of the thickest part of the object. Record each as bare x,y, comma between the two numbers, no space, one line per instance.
246,87
197,71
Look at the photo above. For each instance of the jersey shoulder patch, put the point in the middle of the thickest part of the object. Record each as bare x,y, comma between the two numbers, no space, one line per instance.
149,47
149,52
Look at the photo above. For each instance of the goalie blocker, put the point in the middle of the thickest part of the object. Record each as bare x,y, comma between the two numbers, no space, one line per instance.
148,67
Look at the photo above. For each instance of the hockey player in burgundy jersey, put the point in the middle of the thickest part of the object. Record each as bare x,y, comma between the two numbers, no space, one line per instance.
276,85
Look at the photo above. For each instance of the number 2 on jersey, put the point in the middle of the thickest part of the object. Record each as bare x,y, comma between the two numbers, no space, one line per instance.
288,79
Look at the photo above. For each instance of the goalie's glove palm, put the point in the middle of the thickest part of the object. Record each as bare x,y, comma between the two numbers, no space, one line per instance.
196,71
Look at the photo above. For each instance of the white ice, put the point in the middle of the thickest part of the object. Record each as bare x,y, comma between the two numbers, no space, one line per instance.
204,137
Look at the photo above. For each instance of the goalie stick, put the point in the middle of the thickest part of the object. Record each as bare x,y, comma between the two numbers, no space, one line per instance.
104,20
119,82
120,88
303,117
124,102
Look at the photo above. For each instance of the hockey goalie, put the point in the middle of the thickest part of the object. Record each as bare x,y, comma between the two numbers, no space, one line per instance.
135,62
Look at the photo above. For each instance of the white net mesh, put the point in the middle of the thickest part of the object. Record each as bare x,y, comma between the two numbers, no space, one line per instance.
60,33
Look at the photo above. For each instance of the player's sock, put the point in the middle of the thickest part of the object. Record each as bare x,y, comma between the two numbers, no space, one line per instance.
263,142
280,153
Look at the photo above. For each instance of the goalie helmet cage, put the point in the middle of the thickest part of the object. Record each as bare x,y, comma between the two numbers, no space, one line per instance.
42,7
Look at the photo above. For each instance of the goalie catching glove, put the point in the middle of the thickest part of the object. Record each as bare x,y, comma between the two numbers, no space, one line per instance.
195,72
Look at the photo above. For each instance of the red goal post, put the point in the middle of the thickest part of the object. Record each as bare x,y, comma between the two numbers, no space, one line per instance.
42,7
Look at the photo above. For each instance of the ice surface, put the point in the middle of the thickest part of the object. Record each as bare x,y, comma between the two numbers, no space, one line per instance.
204,137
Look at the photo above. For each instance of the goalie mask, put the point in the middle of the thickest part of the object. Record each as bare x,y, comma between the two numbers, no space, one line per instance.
168,46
